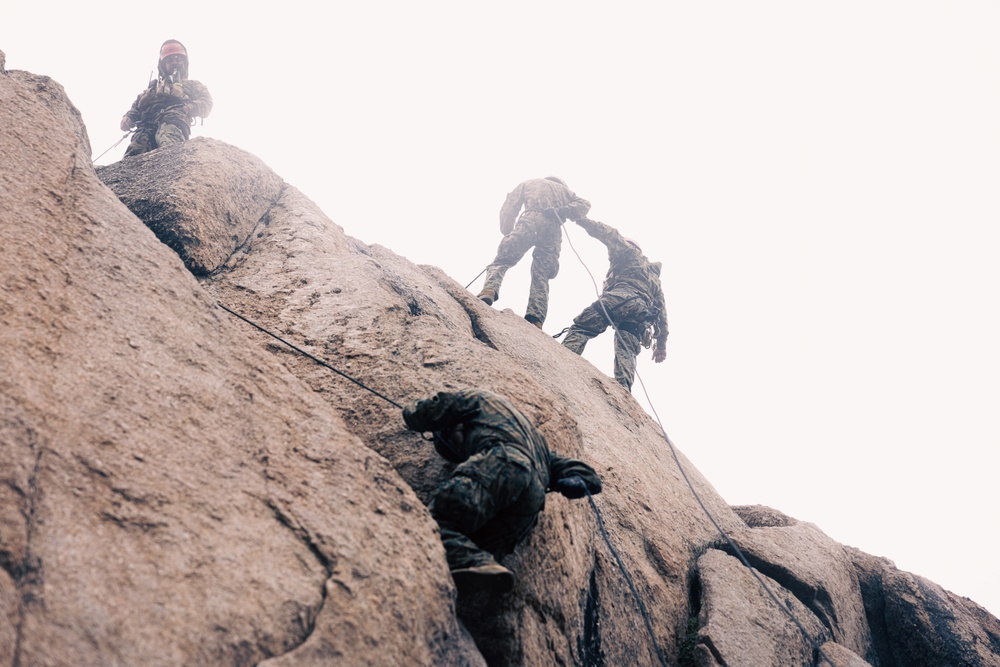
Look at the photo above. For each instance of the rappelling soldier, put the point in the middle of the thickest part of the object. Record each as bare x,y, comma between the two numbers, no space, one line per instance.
492,499
632,298
164,112
547,203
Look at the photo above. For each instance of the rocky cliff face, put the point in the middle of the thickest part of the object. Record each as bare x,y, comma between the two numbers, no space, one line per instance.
178,488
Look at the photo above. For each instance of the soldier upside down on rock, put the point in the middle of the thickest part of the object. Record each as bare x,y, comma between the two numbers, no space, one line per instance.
492,499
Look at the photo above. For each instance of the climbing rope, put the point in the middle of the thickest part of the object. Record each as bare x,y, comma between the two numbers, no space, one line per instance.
112,146
434,436
621,566
314,358
673,450
476,278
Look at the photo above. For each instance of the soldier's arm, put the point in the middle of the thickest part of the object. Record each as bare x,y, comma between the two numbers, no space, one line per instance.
607,235
660,331
562,468
197,99
510,209
575,209
442,411
132,116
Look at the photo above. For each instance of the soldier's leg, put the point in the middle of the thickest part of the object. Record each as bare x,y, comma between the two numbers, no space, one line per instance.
168,134
627,346
510,251
544,267
586,325
461,506
484,508
141,142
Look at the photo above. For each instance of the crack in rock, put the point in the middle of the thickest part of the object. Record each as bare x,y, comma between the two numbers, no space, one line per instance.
28,578
286,518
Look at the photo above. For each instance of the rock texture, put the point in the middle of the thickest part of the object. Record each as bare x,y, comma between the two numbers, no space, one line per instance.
177,487
204,232
169,494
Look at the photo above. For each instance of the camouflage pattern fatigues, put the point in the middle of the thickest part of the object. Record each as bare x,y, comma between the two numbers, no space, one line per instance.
493,497
632,297
535,228
164,112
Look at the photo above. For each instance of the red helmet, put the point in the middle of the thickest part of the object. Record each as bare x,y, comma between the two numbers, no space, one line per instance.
172,47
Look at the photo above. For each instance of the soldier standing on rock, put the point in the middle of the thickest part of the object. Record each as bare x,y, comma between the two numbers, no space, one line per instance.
164,112
632,297
547,202
493,497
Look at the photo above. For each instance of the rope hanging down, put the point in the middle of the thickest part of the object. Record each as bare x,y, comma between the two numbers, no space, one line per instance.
621,566
673,450
314,358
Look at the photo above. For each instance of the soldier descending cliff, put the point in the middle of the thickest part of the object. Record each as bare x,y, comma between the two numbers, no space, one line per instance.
164,112
492,499
632,297
547,202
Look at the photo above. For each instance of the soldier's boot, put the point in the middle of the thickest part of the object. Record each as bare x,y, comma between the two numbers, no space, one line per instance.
491,578
488,296
534,320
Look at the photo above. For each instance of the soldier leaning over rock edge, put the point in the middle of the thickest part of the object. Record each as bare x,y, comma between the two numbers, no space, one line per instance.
632,297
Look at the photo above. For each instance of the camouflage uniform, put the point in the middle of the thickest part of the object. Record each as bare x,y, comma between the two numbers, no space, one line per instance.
632,297
493,497
164,113
546,204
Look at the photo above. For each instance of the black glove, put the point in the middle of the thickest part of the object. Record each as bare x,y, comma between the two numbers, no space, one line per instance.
571,487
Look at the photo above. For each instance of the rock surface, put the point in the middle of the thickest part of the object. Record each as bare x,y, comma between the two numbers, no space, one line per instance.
177,487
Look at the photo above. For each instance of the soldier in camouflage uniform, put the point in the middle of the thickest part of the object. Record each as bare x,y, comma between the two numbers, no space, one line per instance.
164,112
547,202
492,498
632,297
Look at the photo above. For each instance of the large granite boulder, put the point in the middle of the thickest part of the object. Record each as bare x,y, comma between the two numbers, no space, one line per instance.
179,487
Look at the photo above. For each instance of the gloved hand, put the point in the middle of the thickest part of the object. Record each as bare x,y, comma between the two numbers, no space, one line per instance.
571,487
126,123
177,90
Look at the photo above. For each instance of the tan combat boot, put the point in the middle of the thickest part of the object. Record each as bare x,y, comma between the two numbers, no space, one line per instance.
488,296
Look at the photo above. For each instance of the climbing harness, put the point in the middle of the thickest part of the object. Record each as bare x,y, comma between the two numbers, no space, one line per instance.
673,450
314,358
124,136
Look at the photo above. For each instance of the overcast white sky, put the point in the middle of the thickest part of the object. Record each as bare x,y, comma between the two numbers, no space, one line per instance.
819,180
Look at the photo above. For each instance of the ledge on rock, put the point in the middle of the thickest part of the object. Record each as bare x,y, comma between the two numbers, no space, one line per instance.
203,198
